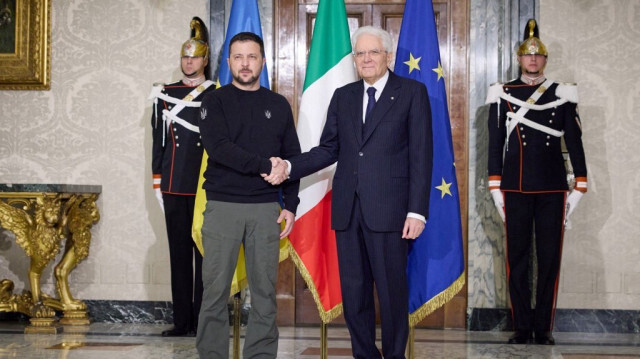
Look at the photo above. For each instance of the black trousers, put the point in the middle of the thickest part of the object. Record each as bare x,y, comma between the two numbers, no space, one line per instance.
185,291
545,213
365,257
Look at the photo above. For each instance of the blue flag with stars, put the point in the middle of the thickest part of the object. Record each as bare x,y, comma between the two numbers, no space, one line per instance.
435,265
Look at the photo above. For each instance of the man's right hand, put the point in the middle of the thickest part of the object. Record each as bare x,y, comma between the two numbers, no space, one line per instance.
498,200
278,173
159,198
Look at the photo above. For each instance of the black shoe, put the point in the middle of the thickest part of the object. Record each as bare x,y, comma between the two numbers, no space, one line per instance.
520,337
545,338
175,332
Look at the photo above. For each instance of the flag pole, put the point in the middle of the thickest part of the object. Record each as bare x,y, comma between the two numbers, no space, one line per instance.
236,326
323,341
412,334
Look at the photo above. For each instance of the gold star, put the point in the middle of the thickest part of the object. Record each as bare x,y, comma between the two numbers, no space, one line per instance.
439,71
444,188
413,63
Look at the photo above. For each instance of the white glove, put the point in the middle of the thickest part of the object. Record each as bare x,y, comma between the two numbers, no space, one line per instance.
159,198
572,203
498,200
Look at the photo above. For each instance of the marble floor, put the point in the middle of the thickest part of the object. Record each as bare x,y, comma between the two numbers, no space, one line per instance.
141,341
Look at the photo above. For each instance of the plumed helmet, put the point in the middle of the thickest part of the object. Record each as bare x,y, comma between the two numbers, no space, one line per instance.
532,44
197,45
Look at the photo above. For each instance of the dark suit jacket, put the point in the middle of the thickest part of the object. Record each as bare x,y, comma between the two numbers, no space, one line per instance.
388,164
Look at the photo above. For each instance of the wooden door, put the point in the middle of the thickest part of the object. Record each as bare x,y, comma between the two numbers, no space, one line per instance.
293,25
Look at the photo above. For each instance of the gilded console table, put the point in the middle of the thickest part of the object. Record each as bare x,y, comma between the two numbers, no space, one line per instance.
41,216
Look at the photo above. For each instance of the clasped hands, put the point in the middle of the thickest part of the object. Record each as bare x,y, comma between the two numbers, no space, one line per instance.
279,171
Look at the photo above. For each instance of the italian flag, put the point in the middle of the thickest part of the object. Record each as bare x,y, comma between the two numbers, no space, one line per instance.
313,244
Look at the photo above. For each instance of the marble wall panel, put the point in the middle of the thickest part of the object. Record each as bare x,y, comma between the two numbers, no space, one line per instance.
495,32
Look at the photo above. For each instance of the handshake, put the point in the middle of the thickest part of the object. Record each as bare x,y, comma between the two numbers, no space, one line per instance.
279,171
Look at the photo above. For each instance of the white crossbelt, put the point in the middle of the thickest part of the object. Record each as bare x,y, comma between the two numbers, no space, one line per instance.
172,116
518,117
179,105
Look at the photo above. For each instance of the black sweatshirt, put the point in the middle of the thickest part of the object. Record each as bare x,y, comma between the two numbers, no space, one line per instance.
240,131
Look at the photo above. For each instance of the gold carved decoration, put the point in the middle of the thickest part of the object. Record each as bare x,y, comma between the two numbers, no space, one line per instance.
40,221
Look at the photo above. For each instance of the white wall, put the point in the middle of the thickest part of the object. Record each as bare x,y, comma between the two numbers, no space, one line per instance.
595,43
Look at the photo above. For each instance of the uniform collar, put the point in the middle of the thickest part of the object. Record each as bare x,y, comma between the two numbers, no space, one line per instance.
194,82
533,81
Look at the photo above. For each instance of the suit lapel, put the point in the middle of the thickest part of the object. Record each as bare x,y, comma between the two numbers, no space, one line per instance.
383,105
356,110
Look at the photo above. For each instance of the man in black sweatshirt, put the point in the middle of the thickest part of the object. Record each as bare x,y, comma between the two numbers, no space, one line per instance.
243,126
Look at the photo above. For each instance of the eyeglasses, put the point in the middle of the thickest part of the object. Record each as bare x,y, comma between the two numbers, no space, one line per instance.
371,53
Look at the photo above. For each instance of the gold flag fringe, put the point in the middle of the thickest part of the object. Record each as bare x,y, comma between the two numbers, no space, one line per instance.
438,301
326,316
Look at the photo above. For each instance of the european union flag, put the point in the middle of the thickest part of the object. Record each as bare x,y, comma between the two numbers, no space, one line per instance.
244,16
435,266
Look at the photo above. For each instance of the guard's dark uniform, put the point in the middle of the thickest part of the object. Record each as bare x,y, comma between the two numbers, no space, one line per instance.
176,159
533,179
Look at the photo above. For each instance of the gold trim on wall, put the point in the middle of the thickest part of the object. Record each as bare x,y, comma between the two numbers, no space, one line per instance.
29,66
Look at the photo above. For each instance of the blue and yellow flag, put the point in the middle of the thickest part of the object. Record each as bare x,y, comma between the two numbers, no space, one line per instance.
244,16
435,266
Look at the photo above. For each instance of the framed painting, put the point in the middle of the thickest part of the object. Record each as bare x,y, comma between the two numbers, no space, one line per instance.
25,44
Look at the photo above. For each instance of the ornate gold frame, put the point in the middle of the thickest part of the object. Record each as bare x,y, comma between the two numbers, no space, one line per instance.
29,67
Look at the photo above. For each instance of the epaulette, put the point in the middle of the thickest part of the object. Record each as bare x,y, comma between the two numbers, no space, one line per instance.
156,90
494,92
567,91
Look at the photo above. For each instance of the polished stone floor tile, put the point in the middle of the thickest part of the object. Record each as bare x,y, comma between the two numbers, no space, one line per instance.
142,341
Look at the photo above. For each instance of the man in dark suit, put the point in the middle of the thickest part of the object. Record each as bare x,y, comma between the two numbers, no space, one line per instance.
379,131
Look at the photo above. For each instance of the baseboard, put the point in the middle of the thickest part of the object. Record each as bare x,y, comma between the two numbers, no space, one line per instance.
479,319
566,320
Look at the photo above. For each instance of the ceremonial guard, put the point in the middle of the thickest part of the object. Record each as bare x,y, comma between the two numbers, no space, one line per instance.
176,158
528,120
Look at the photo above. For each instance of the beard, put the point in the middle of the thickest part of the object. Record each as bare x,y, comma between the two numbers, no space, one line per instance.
252,80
